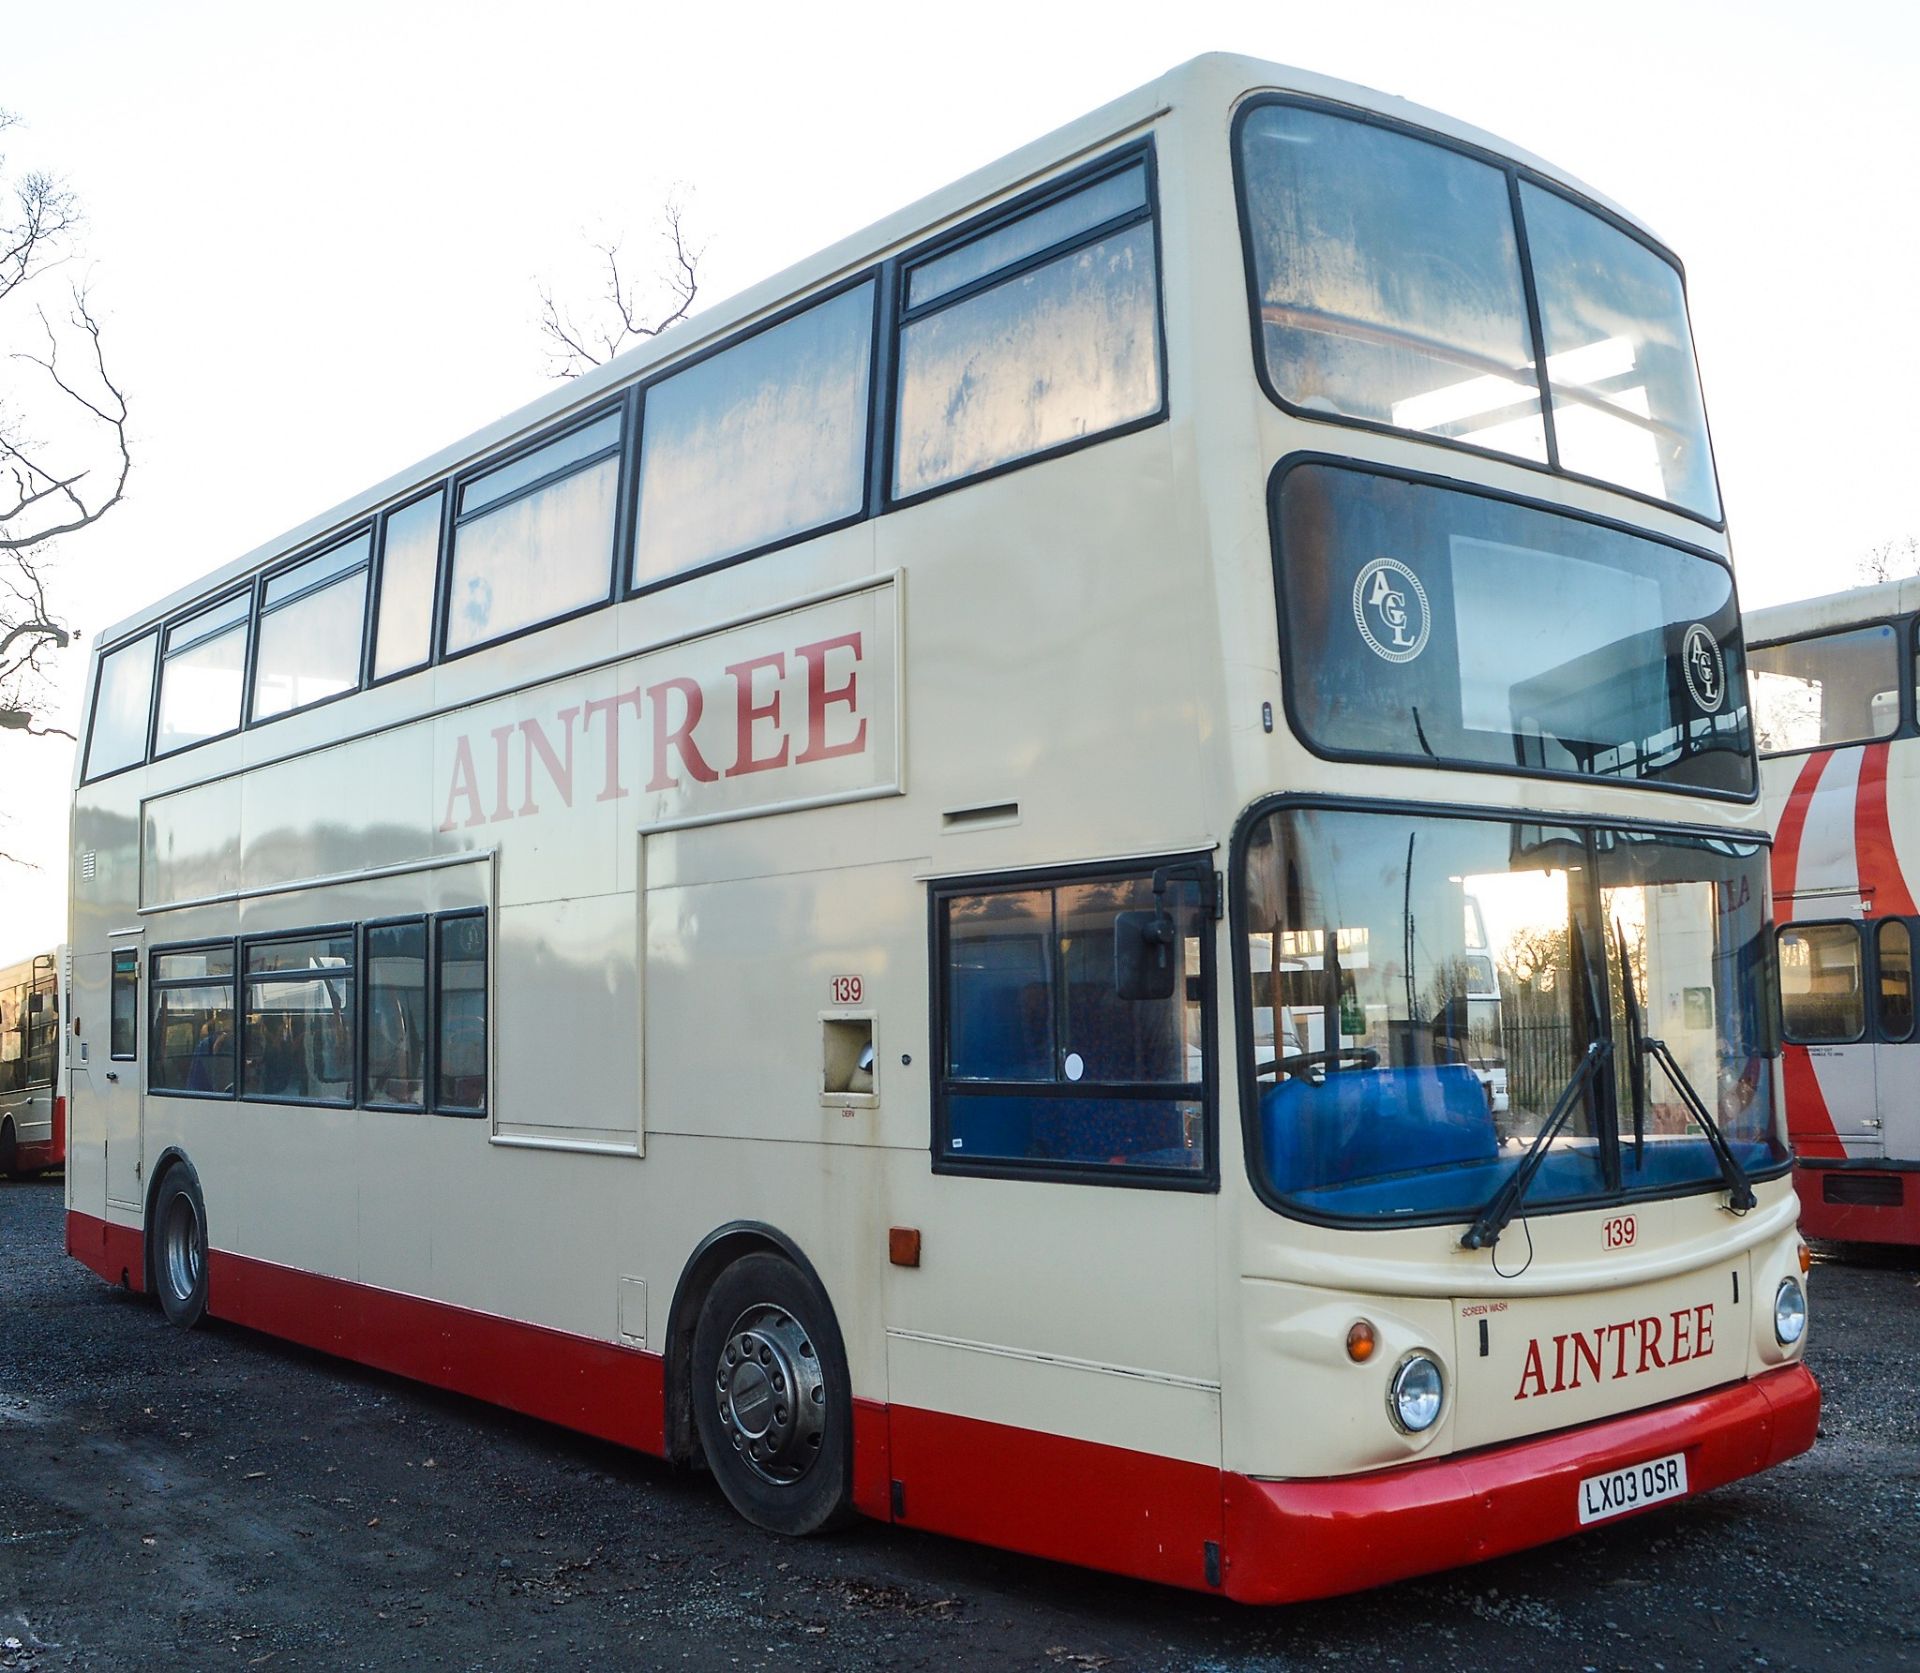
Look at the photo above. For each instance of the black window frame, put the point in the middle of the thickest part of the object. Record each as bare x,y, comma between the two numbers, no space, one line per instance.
424,923
436,994
901,316
262,609
1515,172
877,328
1878,1022
1907,652
250,590
244,978
156,986
1444,763
1869,980
623,404
442,567
154,631
1205,1179
114,973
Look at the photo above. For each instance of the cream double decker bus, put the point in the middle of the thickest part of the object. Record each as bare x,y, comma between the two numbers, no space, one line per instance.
877,893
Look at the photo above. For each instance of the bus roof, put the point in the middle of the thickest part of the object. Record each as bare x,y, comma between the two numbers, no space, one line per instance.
1215,79
1831,611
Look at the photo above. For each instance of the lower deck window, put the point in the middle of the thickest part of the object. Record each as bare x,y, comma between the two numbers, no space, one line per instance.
1053,1057
191,1039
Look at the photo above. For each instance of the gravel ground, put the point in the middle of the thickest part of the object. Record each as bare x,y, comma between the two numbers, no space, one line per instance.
218,1499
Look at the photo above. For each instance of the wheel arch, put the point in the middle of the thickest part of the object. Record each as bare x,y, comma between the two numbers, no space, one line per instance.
717,1251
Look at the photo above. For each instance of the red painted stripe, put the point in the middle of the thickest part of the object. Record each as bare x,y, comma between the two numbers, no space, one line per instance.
1292,1540
1793,824
1051,1496
116,1253
1883,886
1896,1224
615,1393
1810,1126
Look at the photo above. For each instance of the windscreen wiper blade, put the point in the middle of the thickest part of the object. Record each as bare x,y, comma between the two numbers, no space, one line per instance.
1636,1046
1740,1195
1485,1232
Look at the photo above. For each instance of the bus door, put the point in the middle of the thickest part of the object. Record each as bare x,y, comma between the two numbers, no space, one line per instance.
1896,1054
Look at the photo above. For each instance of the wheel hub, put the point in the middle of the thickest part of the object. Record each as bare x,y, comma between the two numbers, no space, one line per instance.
771,1394
180,1245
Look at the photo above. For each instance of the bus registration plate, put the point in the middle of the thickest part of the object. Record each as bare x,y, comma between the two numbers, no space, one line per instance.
1634,1488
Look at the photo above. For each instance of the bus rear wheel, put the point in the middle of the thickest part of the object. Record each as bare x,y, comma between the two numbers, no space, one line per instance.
9,1149
772,1399
180,1247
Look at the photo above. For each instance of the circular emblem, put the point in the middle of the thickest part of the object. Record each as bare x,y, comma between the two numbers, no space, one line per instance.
1706,672
1390,609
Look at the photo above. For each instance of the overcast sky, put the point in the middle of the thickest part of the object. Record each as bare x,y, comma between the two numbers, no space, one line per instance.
315,233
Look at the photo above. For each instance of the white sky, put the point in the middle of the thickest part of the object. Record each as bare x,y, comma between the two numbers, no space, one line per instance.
315,232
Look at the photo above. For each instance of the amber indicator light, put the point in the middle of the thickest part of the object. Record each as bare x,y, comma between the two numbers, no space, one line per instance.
903,1245
1360,1341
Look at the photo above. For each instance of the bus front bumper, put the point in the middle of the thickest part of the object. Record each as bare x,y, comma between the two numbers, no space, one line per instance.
1287,1541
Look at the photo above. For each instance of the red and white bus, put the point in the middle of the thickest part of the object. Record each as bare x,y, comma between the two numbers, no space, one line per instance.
33,1107
1833,684
878,892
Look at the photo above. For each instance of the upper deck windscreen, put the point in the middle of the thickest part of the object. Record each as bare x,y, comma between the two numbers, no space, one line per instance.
1409,284
1430,624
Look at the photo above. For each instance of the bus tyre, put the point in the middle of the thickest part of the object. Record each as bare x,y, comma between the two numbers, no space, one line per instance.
772,1399
180,1247
9,1148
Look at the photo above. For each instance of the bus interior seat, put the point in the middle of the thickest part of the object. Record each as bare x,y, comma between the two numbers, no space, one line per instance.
1360,1123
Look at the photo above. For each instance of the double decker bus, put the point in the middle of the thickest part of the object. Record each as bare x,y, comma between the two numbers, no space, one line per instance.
1833,700
876,892
33,1112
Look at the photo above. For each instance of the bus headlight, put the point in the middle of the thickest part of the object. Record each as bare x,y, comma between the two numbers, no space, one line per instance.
1789,1312
1415,1393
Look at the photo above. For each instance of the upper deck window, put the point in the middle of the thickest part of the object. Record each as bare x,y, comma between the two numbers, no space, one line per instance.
1425,623
1829,688
201,673
122,704
312,617
758,443
1036,334
533,538
409,556
1390,276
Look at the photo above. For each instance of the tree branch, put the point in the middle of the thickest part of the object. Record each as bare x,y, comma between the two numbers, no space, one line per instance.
616,319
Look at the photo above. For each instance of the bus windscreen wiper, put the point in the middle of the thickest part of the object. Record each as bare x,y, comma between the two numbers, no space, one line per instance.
1636,1046
1740,1195
1485,1232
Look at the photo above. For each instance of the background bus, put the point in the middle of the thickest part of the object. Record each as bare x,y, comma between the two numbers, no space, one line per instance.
1833,684
893,868
33,1112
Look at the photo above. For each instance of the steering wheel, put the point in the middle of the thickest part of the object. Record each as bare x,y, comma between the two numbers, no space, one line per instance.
1362,1057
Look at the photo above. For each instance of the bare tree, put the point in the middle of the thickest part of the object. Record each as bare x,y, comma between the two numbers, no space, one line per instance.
619,316
64,458
1890,560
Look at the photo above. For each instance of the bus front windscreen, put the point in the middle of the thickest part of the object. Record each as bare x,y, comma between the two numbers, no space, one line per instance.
1436,624
1390,1081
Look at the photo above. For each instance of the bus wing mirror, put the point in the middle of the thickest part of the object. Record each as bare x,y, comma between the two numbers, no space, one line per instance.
1143,965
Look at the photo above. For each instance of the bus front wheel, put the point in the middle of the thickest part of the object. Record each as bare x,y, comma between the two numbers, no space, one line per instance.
180,1247
772,1399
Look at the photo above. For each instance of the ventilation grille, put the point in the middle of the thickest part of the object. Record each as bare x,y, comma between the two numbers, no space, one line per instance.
87,861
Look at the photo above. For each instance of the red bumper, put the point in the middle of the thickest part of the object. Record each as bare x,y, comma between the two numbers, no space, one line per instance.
1859,1204
1292,1540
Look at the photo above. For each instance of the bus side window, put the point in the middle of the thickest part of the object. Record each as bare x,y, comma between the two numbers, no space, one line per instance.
1063,348
460,983
124,1004
1894,947
1822,1001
